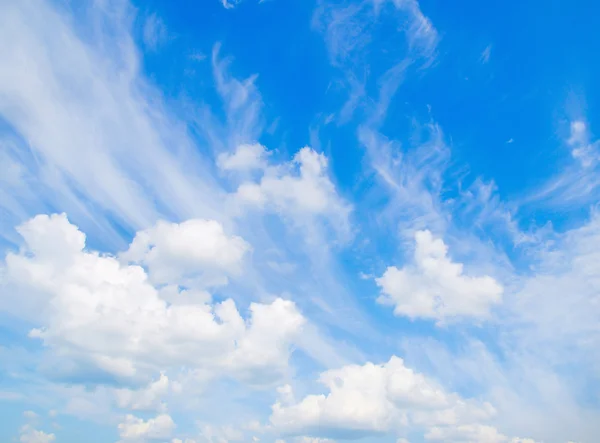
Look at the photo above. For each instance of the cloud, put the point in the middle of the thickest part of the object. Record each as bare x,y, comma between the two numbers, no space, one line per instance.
582,149
375,399
135,429
155,32
242,103
434,287
412,178
101,317
472,434
298,189
149,398
422,35
218,434
175,252
31,435
554,306
230,4
95,140
245,158
30,415
349,30
579,182
486,54
348,27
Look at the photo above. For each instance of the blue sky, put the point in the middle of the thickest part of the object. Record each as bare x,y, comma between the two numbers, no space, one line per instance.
299,221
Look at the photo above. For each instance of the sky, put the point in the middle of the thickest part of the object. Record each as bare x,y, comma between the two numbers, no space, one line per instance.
299,221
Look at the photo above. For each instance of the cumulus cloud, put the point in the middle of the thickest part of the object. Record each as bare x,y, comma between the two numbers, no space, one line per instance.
102,317
374,399
298,189
148,398
176,252
434,287
135,429
220,434
31,435
582,148
472,434
246,157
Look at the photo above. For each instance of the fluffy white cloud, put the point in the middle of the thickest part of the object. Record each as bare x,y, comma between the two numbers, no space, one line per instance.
435,287
472,434
307,440
149,398
245,158
30,415
220,434
99,316
135,429
299,188
173,252
31,435
372,399
582,148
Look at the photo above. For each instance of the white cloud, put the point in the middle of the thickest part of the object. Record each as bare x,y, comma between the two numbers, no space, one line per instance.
305,439
579,181
421,33
175,252
100,316
372,399
434,287
220,434
242,103
313,440
135,429
298,189
586,152
230,4
555,307
149,398
246,157
93,136
155,32
485,55
30,415
31,435
413,179
472,434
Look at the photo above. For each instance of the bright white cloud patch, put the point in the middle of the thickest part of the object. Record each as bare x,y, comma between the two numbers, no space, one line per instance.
582,148
136,430
298,189
472,434
31,435
373,399
148,398
434,287
245,158
177,252
101,317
